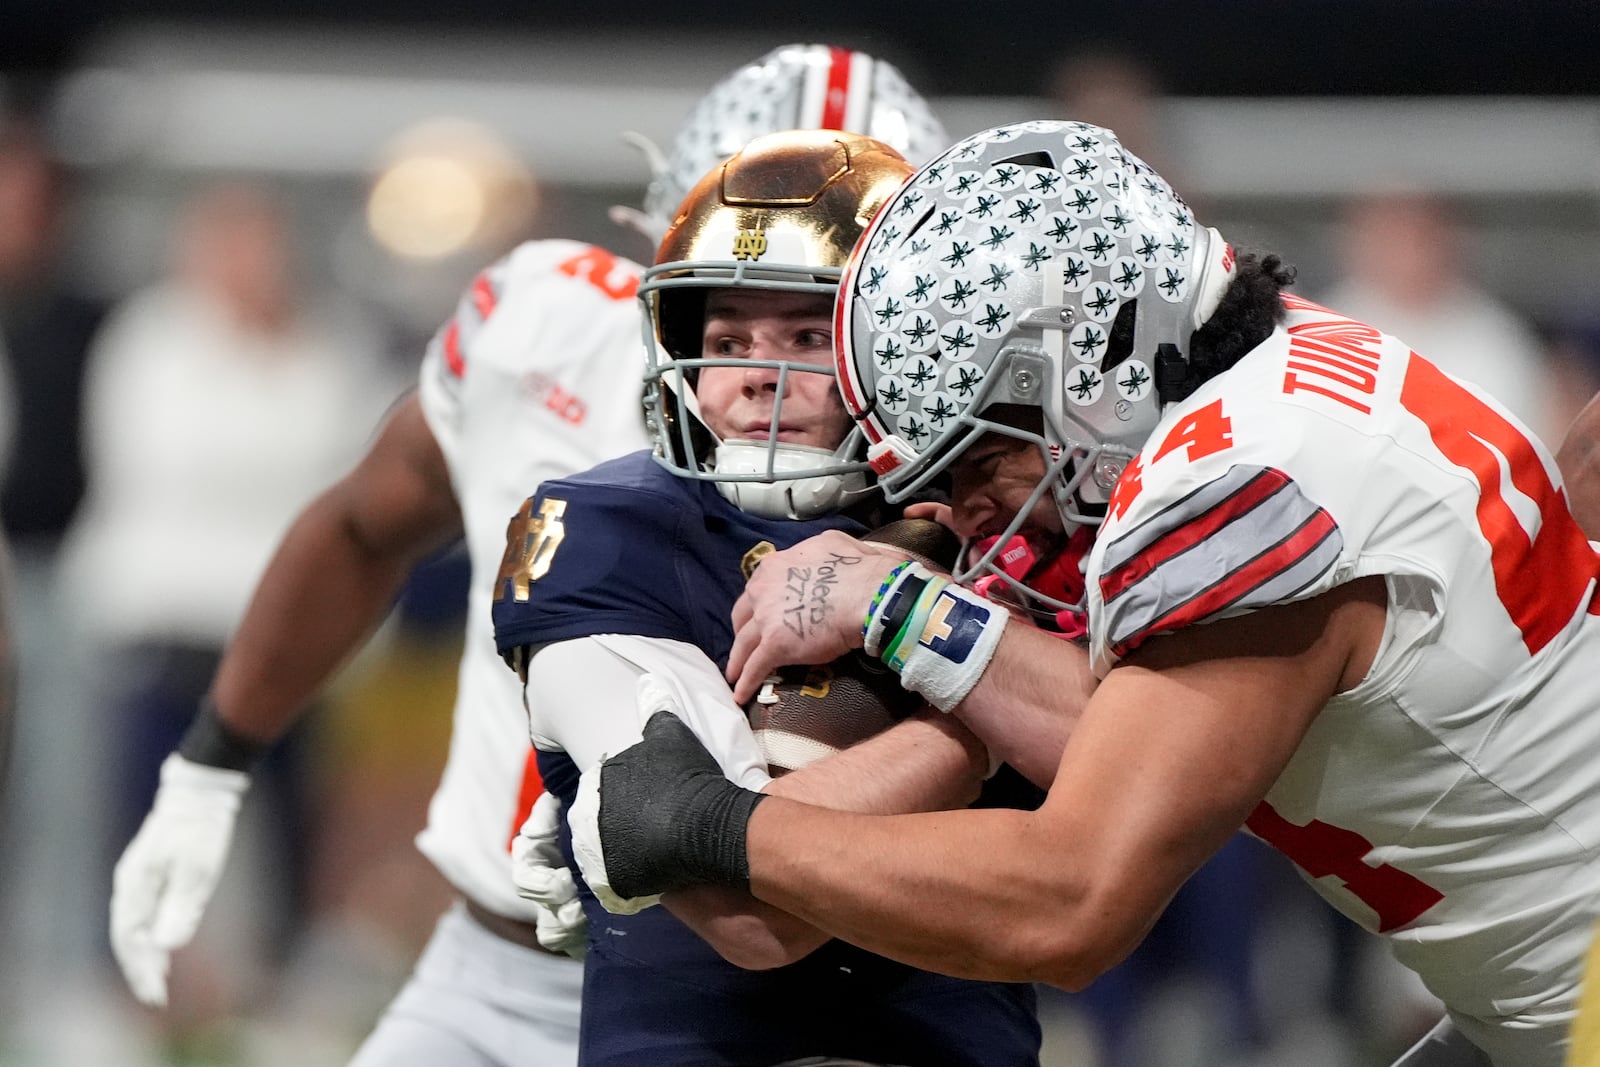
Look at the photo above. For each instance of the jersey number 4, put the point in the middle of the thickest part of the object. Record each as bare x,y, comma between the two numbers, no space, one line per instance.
1205,431
1473,435
1322,849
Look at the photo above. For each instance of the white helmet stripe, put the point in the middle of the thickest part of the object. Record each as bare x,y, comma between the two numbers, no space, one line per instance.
819,64
858,92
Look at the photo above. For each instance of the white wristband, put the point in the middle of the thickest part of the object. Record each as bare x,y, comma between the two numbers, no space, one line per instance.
955,645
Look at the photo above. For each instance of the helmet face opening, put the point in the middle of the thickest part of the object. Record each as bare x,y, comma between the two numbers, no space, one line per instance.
1039,265
779,217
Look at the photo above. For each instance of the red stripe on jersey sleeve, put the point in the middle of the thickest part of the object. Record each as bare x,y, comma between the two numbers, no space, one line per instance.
838,95
1239,583
531,789
484,297
1191,533
453,358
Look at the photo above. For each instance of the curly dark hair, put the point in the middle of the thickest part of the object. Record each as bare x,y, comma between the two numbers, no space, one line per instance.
1249,311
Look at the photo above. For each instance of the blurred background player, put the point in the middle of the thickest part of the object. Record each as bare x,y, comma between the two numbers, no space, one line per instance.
46,323
1404,264
48,317
528,381
216,400
631,568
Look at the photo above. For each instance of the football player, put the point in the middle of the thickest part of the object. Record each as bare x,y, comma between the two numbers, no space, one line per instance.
534,376
1333,595
631,569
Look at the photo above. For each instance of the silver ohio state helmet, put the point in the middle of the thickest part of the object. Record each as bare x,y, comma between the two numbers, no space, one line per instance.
783,214
1038,265
792,87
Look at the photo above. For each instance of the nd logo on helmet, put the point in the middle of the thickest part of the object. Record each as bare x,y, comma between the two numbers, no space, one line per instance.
750,244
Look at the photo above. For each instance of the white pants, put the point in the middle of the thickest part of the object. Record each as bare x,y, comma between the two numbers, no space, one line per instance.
477,1000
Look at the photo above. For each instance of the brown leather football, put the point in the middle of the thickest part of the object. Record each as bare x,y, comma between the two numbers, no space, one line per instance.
932,545
804,713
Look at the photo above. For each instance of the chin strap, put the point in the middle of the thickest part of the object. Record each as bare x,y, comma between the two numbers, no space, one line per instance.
800,497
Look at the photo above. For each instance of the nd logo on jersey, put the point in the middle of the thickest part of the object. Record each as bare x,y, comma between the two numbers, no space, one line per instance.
531,542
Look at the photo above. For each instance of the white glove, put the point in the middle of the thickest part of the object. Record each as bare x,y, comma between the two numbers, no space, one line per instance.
170,869
541,875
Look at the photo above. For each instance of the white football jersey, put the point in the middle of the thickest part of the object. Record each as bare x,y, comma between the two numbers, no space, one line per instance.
1451,801
537,375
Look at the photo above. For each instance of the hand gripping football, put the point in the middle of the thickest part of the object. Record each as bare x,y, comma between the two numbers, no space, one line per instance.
802,714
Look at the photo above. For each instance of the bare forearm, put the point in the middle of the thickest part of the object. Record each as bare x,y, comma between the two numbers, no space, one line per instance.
1183,741
1579,459
335,575
322,595
746,932
926,763
933,891
930,762
1028,699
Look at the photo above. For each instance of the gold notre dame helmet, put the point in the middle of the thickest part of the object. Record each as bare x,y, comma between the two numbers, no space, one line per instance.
782,214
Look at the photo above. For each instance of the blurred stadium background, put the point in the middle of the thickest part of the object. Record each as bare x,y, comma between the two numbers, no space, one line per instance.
410,146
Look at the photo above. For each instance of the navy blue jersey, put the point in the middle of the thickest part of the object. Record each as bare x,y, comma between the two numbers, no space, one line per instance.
643,552
640,551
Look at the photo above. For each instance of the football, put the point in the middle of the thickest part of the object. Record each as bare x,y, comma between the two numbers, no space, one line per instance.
802,714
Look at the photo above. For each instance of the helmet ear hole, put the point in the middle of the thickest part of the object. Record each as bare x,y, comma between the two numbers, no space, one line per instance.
1030,159
1119,344
1172,374
680,318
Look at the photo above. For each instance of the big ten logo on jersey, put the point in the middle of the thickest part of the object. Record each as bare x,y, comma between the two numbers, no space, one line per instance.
554,397
1333,357
1203,432
604,271
531,543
